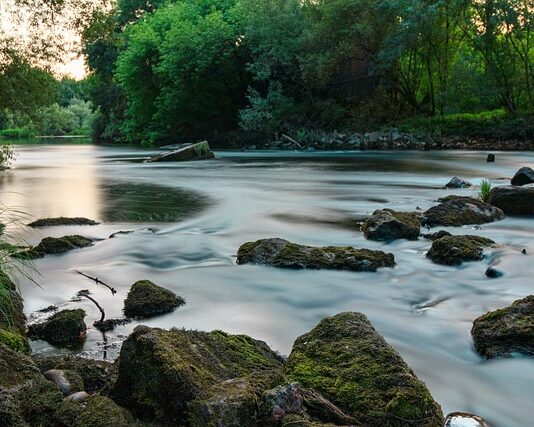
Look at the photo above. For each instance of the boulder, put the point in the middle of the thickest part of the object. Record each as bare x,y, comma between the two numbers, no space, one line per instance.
284,254
55,222
101,411
169,376
462,419
68,382
146,299
387,225
437,235
509,330
66,327
458,183
453,250
457,211
490,158
349,363
493,273
523,176
513,200
54,245
198,151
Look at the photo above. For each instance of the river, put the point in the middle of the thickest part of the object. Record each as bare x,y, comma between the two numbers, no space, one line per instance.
190,218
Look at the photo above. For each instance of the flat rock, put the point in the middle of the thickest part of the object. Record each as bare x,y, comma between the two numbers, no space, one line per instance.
146,299
457,211
349,363
59,221
506,331
55,245
388,225
513,200
198,151
453,250
523,176
458,183
66,327
281,253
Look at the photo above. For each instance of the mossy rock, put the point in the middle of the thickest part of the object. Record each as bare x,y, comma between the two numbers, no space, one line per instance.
146,299
14,340
457,211
59,221
101,411
55,245
66,327
161,373
506,331
12,316
453,250
387,225
513,200
349,363
284,254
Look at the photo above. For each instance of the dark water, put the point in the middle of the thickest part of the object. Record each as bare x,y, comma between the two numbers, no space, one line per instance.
190,218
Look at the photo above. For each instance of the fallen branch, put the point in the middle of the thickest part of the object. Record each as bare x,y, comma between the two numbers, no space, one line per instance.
85,294
98,282
318,406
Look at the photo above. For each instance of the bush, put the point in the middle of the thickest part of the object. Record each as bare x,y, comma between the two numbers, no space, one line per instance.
7,155
17,133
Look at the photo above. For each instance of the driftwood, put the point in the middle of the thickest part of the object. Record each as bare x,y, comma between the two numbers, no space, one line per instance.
85,294
292,140
323,409
98,282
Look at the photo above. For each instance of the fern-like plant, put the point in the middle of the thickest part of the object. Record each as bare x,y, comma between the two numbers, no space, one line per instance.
485,190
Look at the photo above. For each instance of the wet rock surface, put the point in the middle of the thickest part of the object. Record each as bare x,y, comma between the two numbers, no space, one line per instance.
146,299
284,254
55,245
506,331
59,221
458,210
453,250
66,327
462,419
458,183
437,235
523,176
513,200
388,225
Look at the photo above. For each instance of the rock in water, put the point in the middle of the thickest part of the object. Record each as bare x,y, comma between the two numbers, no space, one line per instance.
55,222
453,250
458,183
493,273
437,235
54,245
490,158
146,299
63,328
387,225
284,254
349,363
198,151
174,376
501,333
457,211
523,176
513,200
67,381
461,419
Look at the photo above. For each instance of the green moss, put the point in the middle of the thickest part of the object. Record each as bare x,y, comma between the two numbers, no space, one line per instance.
146,299
54,222
62,328
101,411
13,340
53,245
38,403
11,306
456,211
453,250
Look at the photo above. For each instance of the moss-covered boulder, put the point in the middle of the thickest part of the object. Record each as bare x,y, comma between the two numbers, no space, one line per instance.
453,250
284,254
513,200
12,316
55,245
66,327
523,176
457,211
388,225
437,235
67,381
146,299
59,221
101,411
351,364
506,331
163,374
14,340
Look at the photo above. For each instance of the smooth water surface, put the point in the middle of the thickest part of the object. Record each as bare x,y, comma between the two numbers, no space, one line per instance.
190,218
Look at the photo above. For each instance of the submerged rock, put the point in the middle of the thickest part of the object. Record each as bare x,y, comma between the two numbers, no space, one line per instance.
453,250
54,245
457,211
523,176
146,299
462,419
169,376
198,151
55,222
284,254
349,363
387,225
509,330
68,382
458,183
63,328
513,200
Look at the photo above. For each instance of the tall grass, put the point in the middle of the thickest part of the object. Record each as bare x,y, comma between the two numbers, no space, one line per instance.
485,190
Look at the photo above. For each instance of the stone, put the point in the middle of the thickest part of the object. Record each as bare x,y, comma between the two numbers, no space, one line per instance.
282,400
68,382
80,396
453,250
349,363
59,221
458,210
284,254
437,235
513,200
462,419
168,376
458,183
523,176
66,327
387,225
493,273
54,245
198,151
98,411
490,158
146,299
504,332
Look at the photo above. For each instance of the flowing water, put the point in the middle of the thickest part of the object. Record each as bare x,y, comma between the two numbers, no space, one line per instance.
188,220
